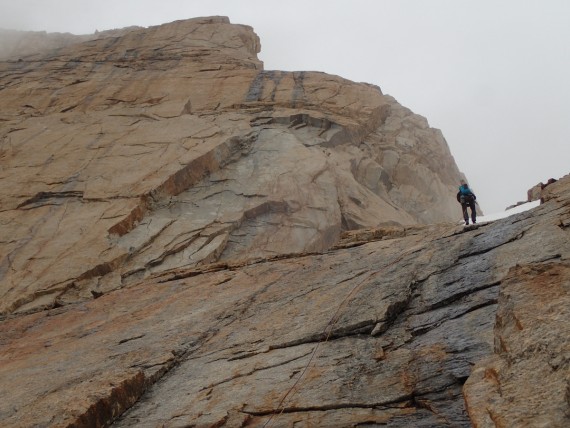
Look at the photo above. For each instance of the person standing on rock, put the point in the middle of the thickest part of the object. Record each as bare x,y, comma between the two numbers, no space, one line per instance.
467,199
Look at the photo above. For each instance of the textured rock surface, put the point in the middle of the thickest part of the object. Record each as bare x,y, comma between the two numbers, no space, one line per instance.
188,240
535,193
527,380
169,147
384,329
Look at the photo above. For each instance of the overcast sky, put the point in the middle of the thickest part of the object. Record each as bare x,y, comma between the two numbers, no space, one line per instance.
493,75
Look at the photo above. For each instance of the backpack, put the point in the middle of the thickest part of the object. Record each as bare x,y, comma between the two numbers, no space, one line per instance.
464,190
465,195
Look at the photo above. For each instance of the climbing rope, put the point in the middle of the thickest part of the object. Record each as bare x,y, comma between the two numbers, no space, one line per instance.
329,326
334,319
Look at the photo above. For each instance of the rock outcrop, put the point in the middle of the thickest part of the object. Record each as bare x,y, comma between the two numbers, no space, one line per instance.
169,147
535,193
189,240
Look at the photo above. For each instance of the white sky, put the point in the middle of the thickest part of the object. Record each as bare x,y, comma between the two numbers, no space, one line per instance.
493,75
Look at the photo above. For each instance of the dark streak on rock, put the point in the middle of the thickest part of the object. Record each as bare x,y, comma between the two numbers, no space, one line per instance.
42,198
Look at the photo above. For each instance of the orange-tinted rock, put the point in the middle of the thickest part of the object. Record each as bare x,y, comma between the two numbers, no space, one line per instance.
385,331
180,248
153,149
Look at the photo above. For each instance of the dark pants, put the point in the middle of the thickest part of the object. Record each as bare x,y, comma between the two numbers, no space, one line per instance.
464,206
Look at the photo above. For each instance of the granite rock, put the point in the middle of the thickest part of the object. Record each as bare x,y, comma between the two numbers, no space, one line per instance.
434,325
187,239
147,150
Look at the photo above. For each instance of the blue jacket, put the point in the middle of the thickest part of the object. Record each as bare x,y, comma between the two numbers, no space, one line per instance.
464,191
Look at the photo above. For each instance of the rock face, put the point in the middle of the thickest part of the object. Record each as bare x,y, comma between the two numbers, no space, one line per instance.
188,240
169,147
402,326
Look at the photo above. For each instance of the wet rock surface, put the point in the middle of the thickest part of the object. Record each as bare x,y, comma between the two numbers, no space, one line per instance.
190,240
397,331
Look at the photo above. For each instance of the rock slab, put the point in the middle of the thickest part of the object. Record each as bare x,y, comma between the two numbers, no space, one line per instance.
423,326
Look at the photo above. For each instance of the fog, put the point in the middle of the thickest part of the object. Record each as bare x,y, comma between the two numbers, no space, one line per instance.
492,75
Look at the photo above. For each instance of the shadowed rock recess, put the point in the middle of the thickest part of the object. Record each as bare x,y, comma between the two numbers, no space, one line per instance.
187,240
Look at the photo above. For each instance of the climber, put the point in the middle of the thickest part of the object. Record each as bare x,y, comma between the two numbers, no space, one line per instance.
467,199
